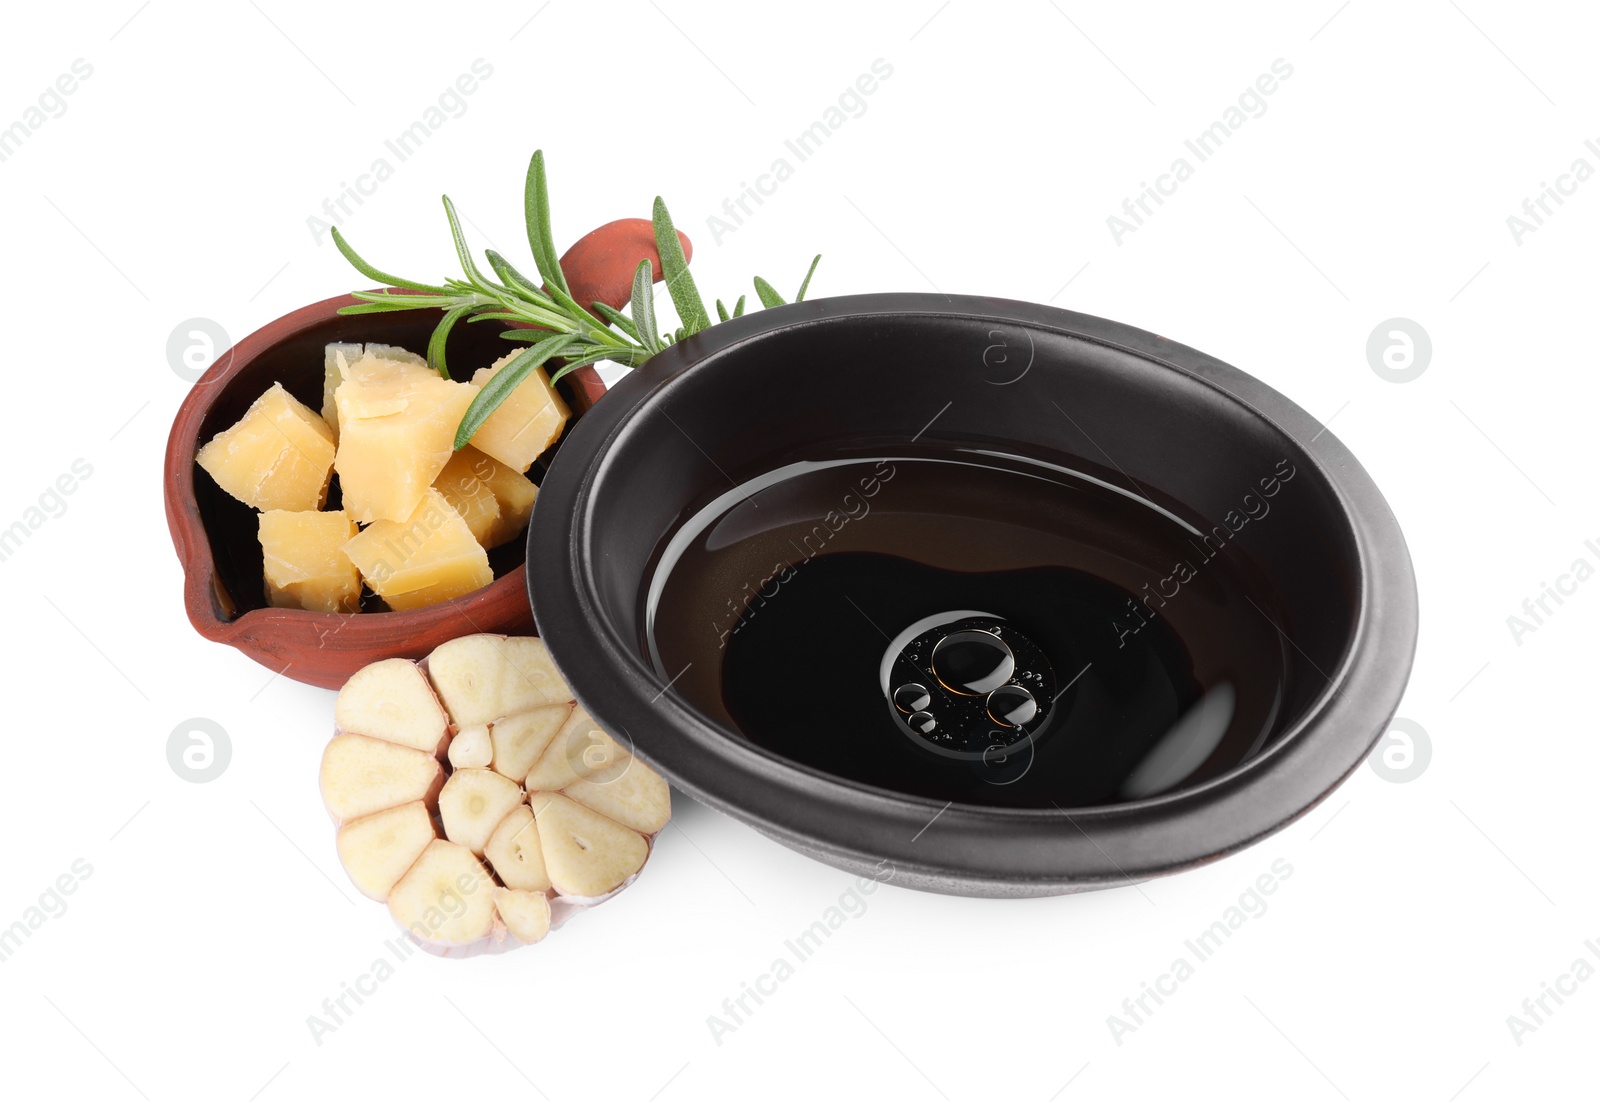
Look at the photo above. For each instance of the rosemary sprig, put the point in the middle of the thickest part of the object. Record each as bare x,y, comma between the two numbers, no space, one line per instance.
561,327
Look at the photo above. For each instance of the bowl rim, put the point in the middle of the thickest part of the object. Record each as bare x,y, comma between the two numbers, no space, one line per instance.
193,544
967,847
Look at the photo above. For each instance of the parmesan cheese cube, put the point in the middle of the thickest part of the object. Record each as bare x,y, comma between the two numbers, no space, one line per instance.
516,494
332,376
495,500
429,557
525,424
396,354
397,430
470,495
279,455
306,567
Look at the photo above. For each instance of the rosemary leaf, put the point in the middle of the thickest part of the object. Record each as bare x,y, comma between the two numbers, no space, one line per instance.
675,269
769,296
496,315
370,272
441,333
581,318
506,380
617,318
515,281
642,305
801,295
464,253
536,204
584,360
394,305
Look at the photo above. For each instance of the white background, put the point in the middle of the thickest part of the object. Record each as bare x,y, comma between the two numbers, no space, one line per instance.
1419,915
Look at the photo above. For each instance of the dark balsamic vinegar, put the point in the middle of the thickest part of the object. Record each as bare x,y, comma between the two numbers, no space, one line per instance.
809,611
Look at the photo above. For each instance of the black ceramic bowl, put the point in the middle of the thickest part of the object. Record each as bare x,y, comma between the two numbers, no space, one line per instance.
1126,409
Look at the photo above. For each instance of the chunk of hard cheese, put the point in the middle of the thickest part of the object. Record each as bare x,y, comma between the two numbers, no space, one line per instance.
515,493
495,500
278,456
429,557
469,494
306,566
397,430
333,371
335,358
525,424
395,353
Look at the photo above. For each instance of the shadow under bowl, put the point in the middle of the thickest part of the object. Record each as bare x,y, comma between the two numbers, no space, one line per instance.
215,534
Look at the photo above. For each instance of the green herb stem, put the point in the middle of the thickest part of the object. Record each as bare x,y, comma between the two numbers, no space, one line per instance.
561,327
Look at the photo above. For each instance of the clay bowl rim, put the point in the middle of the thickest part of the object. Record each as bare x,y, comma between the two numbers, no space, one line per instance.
854,826
193,544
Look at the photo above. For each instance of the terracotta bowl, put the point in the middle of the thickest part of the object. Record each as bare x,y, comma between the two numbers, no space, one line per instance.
215,535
